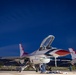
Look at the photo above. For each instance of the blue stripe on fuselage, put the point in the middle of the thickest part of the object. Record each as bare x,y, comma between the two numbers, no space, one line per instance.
47,53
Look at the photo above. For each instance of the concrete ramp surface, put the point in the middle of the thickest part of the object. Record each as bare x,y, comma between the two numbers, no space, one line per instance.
33,73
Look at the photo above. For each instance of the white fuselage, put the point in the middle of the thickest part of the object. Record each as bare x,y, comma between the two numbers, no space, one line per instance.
38,57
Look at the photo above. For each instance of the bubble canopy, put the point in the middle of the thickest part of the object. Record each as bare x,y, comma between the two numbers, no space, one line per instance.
47,41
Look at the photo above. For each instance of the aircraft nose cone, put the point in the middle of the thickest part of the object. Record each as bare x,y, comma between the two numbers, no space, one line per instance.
62,52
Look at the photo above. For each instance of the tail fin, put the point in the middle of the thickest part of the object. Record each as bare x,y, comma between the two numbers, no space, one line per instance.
73,53
22,53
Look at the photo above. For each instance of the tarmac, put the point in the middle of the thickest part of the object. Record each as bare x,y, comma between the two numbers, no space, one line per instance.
35,73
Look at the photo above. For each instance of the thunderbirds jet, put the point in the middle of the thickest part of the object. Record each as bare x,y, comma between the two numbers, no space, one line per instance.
43,54
73,55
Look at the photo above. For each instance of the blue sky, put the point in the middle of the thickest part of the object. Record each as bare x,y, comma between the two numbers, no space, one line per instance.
30,21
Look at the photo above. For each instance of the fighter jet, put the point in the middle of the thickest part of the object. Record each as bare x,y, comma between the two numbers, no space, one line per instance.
73,55
42,55
45,52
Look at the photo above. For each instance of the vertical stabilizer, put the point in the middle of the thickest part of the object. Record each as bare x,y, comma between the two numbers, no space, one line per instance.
22,53
73,53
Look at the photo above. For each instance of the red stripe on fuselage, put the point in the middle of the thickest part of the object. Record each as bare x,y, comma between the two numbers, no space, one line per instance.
62,52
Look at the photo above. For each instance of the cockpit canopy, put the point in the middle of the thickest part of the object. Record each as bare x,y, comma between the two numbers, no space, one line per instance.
46,43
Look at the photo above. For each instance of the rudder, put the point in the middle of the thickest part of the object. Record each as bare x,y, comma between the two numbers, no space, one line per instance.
22,53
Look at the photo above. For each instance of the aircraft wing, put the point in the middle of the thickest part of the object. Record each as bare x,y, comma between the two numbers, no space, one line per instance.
23,55
16,58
